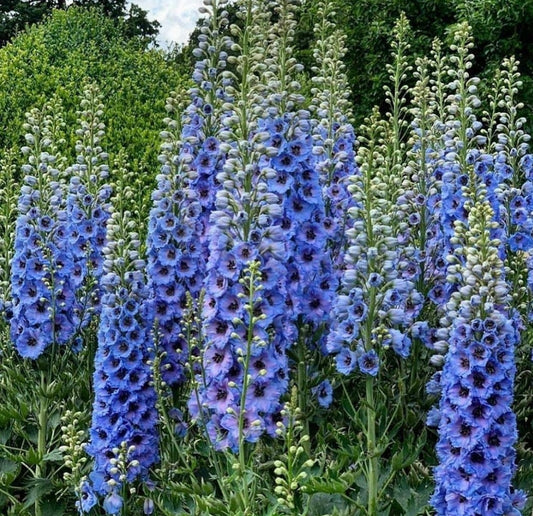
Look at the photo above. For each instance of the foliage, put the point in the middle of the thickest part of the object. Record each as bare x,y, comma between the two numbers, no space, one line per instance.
57,57
16,15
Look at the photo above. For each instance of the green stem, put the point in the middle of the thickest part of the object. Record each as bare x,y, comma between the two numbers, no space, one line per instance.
41,438
302,388
373,464
124,508
250,337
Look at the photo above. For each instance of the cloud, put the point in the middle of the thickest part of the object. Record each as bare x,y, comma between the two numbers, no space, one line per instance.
177,18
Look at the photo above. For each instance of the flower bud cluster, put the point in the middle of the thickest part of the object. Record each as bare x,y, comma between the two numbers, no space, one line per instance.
123,434
42,286
88,205
477,428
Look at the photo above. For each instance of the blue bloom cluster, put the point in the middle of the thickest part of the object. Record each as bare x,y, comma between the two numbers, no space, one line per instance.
310,285
42,285
244,359
87,206
477,428
123,433
333,135
185,196
446,204
378,303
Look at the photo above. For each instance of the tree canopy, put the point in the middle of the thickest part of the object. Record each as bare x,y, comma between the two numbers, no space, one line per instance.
15,15
55,58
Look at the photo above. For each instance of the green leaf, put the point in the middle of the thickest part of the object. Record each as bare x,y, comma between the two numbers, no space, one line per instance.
321,504
5,434
53,456
39,488
52,508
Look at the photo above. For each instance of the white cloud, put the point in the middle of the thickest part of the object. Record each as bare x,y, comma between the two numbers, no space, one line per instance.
177,18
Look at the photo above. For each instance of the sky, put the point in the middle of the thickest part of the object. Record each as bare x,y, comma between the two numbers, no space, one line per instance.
177,18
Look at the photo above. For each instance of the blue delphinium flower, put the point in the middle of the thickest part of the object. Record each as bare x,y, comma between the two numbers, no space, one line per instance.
333,134
323,393
244,359
42,284
378,302
185,195
477,428
88,205
123,433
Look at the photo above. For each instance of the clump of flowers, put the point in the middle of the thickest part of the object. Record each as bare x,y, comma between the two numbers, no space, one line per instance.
42,286
510,181
477,428
333,135
184,198
244,360
123,434
87,205
8,216
310,286
378,302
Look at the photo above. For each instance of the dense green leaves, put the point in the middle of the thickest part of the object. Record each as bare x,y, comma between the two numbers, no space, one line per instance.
57,57
16,15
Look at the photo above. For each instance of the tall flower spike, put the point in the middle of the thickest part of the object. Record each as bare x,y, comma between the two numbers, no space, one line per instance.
511,182
310,286
477,428
123,434
43,292
8,216
378,302
333,134
88,204
458,159
419,182
243,230
185,195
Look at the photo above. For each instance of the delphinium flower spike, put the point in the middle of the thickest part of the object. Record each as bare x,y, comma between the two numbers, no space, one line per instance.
477,428
8,215
42,288
378,303
333,134
310,286
419,182
455,168
123,433
88,204
510,182
191,157
378,296
244,361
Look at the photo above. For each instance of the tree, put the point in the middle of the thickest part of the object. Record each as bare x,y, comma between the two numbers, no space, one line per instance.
15,15
55,58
